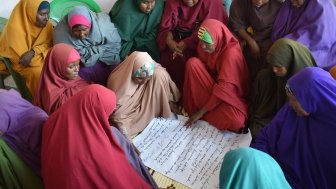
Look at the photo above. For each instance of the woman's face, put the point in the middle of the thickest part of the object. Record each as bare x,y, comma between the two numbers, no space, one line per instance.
72,70
259,3
80,31
147,6
42,17
279,71
190,3
209,48
295,104
141,80
297,3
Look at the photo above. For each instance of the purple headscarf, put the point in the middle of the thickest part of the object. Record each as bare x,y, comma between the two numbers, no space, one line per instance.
304,146
21,126
313,24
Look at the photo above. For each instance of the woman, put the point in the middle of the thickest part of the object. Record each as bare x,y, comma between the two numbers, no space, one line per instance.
137,22
79,151
20,141
27,38
309,22
286,57
144,91
217,81
96,39
252,21
59,79
302,134
177,35
246,168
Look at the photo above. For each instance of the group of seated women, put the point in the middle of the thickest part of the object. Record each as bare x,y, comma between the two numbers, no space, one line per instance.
101,78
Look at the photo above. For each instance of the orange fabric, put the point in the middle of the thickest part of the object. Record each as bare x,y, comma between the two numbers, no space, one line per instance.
218,81
79,150
21,35
54,89
333,72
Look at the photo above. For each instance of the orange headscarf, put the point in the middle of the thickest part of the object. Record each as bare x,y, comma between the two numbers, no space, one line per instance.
21,34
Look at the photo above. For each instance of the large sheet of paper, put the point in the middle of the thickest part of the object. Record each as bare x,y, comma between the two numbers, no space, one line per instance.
191,156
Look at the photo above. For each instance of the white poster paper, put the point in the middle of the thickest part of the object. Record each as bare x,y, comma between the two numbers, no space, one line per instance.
191,156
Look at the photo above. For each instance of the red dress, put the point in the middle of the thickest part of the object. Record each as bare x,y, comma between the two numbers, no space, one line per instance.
218,81
178,15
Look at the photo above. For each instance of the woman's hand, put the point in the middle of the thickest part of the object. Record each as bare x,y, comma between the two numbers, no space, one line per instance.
26,57
198,115
254,49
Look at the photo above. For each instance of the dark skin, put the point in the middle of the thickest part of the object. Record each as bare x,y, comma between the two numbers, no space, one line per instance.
42,18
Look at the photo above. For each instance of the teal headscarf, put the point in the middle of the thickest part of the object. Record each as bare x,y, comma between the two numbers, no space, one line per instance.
145,70
247,168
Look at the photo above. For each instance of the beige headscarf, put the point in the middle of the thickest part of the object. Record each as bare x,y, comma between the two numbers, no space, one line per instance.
139,104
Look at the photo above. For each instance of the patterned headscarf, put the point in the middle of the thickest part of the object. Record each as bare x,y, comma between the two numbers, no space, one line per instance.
145,70
204,35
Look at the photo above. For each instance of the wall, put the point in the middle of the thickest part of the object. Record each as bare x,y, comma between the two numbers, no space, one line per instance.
8,5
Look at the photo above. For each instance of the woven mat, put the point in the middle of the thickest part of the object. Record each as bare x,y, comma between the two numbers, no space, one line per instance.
165,182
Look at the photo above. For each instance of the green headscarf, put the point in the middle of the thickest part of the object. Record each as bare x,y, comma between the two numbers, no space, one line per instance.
137,29
290,54
247,168
204,35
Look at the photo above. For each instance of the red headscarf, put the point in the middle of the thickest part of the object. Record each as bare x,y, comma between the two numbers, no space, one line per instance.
54,88
78,149
227,65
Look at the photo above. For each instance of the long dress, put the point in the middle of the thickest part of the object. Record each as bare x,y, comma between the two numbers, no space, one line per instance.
99,51
137,29
140,103
54,89
268,94
243,14
218,81
313,25
178,16
21,34
303,145
80,151
20,128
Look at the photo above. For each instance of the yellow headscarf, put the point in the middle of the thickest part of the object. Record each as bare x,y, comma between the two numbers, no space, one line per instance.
21,33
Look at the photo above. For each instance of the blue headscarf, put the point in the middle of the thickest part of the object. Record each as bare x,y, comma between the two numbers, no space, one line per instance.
44,5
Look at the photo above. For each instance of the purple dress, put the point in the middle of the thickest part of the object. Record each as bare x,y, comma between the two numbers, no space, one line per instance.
313,24
21,126
304,146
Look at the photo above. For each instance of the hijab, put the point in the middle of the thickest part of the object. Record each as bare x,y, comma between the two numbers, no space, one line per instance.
246,168
21,33
290,54
225,64
21,127
103,42
302,145
54,87
313,25
79,150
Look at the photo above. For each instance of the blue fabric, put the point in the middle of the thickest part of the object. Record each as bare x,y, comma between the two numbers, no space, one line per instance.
44,5
304,146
